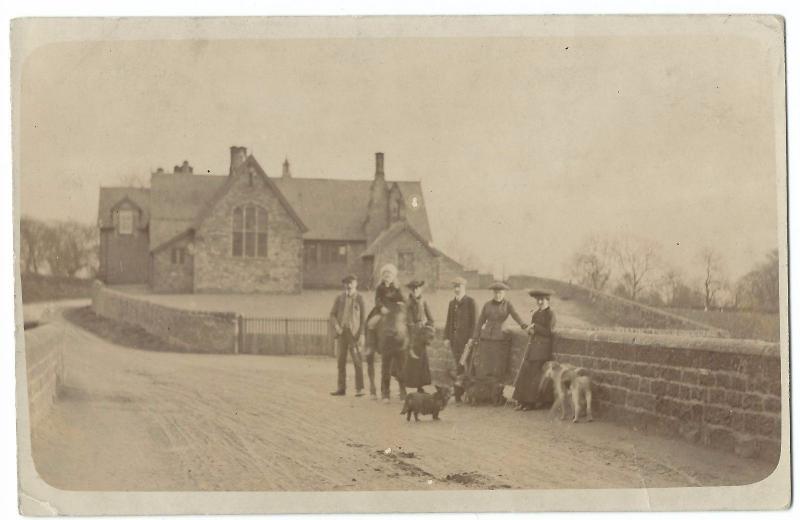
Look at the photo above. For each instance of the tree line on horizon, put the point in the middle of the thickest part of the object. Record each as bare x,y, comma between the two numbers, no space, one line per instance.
66,249
626,266
632,267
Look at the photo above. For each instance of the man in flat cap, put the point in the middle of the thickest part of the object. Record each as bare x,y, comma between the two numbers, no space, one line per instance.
461,315
347,317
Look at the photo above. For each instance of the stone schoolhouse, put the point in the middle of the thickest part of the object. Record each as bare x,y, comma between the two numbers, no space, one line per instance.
249,232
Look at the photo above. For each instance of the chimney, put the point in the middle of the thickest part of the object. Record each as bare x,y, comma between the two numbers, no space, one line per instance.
379,165
286,172
238,157
183,168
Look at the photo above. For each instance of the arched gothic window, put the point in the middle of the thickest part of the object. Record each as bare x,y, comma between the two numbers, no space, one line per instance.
249,231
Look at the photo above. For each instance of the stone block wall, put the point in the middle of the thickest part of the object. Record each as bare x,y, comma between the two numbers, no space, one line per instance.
215,267
721,393
45,369
426,266
169,277
188,331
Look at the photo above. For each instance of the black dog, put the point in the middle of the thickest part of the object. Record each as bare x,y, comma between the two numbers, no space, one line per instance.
426,404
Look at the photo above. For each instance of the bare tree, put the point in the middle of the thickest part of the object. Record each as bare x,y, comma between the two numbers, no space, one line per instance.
760,288
591,264
713,275
70,247
637,259
670,285
32,247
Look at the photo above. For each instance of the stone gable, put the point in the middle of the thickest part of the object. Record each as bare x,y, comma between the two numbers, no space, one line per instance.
173,267
425,264
215,267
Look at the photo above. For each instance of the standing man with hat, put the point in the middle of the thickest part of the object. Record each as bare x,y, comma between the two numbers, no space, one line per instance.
348,317
540,350
461,315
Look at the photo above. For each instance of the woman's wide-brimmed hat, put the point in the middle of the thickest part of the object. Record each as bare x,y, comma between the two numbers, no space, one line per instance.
540,293
389,267
413,284
499,286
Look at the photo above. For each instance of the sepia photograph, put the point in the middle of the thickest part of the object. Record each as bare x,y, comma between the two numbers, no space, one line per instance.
399,264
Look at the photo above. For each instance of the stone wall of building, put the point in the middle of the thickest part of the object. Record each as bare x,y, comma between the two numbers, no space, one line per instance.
426,265
215,267
322,275
173,277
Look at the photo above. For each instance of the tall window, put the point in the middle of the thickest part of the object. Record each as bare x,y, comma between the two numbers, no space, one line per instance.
250,231
405,262
179,255
125,222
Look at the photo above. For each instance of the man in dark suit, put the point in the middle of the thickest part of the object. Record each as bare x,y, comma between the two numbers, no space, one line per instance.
347,317
461,315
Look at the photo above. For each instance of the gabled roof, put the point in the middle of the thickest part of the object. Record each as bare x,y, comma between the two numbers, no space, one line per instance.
250,162
176,200
417,216
177,238
387,235
329,209
334,209
448,258
110,198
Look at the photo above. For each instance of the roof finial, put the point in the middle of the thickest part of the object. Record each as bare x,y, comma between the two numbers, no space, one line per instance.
286,171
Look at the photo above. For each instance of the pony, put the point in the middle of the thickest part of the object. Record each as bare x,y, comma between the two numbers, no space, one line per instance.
391,337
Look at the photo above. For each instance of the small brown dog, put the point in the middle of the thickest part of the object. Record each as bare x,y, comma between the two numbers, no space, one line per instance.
570,379
417,403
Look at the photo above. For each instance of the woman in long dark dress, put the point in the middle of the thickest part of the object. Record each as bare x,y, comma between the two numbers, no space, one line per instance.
490,358
416,369
540,349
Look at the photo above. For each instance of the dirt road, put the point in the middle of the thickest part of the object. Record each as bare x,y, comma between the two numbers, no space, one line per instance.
139,420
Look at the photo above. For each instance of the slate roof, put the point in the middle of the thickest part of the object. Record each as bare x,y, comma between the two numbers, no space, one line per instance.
110,197
335,209
330,209
388,234
176,201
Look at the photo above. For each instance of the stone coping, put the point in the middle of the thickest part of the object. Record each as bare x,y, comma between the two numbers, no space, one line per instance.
729,345
129,296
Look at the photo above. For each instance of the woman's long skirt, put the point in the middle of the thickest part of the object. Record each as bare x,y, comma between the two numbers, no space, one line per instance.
416,371
490,358
529,375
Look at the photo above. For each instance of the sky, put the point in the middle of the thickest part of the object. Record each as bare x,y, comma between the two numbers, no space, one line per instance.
524,146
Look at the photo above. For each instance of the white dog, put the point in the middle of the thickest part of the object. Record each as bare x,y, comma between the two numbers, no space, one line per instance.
568,379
